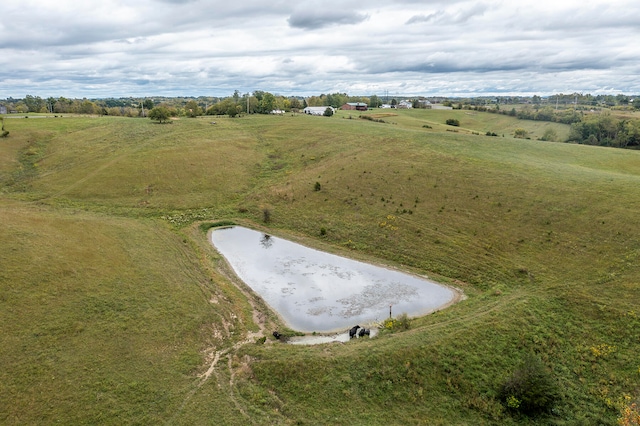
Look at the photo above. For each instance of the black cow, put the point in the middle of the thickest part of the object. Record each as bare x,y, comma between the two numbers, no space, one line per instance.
353,332
364,332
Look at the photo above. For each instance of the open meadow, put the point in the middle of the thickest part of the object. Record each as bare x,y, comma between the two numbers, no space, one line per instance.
115,309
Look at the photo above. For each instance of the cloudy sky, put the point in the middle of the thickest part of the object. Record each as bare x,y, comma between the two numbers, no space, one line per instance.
117,48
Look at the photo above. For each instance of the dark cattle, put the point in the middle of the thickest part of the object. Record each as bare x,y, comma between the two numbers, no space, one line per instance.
353,331
277,335
364,332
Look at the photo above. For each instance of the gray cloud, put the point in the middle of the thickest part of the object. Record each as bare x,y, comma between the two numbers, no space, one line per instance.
200,47
315,18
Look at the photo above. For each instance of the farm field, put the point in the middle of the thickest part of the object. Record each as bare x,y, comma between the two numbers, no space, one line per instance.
115,309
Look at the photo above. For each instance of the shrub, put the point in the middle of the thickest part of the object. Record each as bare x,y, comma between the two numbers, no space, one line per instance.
521,133
401,323
530,389
4,134
453,122
317,186
328,112
266,215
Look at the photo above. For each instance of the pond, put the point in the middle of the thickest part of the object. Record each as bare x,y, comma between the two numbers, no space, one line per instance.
313,290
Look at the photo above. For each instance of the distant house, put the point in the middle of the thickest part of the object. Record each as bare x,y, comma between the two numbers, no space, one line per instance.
404,105
357,106
3,109
314,110
277,112
386,106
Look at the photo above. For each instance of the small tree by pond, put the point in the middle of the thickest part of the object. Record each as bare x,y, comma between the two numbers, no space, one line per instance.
266,215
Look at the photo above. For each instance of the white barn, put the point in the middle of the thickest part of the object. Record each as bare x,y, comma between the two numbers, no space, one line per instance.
315,110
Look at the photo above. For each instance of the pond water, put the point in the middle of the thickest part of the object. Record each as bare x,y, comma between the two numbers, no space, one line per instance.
317,291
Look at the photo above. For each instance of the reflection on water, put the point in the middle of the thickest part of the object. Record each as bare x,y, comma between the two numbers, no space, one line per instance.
317,291
266,241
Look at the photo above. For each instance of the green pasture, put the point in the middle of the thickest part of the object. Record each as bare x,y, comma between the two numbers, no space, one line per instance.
114,308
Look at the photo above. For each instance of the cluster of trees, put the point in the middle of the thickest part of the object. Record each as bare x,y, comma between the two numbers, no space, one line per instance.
605,130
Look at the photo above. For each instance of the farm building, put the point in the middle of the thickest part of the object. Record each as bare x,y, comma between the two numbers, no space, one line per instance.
317,110
359,106
404,105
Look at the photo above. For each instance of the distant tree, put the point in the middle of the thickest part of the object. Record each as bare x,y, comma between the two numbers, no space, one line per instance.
453,122
295,103
328,112
148,104
375,101
192,109
87,107
394,102
268,103
233,110
34,103
161,114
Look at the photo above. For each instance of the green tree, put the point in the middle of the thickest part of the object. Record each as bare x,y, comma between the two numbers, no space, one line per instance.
192,109
160,113
328,112
268,103
233,110
34,103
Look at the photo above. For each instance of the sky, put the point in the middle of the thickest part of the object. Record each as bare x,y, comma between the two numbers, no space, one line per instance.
121,48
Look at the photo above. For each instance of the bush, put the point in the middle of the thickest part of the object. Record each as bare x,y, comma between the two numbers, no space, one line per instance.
530,389
266,215
317,186
453,122
521,133
402,323
4,134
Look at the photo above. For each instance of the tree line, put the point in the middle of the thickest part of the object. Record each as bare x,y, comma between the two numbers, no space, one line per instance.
590,123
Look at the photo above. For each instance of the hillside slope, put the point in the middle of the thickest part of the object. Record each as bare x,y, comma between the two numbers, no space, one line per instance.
115,309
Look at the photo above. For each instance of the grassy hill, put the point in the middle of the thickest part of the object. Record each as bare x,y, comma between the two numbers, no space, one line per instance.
115,309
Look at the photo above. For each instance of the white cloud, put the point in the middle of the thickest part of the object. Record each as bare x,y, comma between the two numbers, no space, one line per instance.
212,47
